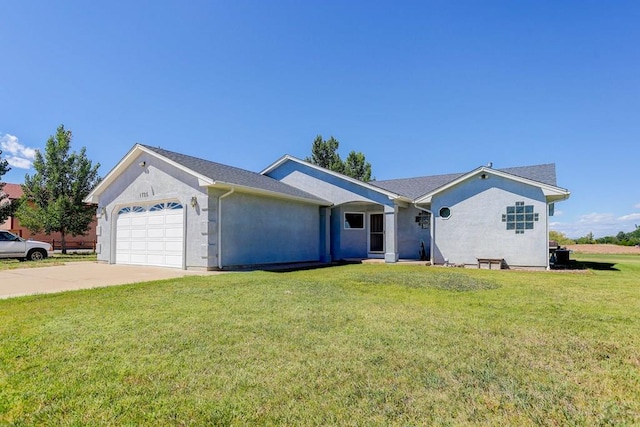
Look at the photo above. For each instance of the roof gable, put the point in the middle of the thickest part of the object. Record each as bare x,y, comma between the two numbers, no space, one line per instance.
209,174
414,188
365,185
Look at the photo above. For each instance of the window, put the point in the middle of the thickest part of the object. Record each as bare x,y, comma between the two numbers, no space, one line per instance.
445,212
174,205
137,209
157,207
124,210
354,220
520,217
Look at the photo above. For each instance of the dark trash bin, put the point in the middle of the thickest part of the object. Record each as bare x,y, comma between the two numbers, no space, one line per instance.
562,257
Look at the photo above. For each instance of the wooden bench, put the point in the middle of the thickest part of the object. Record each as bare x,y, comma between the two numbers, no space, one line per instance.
490,262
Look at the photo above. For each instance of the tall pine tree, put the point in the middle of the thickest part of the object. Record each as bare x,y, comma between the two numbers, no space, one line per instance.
54,194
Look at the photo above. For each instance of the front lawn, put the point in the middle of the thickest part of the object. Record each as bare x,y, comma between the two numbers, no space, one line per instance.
56,259
352,345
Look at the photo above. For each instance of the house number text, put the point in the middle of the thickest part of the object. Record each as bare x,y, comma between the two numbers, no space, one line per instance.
144,194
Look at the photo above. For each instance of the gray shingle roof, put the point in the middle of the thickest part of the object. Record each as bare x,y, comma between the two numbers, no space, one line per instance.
416,187
232,175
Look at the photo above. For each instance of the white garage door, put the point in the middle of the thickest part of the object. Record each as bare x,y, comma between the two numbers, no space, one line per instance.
150,235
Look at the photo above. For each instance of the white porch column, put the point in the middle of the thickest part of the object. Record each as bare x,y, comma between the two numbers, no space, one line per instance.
391,233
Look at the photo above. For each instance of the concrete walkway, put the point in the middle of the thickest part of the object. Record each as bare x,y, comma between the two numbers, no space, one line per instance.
81,275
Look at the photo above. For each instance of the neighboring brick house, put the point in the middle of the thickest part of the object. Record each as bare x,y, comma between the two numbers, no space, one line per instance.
14,191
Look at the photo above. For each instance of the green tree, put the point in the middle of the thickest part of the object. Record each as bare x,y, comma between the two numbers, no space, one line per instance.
53,196
5,205
356,166
588,239
325,153
560,238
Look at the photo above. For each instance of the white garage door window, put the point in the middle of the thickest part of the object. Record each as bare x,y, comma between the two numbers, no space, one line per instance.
150,235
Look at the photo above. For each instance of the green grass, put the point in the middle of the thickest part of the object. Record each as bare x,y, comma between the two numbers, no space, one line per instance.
56,259
352,345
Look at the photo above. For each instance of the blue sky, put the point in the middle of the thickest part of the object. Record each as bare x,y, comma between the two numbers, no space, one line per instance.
422,88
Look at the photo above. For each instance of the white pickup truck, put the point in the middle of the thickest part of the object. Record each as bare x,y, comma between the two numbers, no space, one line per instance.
12,246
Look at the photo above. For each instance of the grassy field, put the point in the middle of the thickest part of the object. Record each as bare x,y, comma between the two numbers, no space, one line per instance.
351,345
56,259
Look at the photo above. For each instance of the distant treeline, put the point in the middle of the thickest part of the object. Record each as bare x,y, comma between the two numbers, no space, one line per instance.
622,238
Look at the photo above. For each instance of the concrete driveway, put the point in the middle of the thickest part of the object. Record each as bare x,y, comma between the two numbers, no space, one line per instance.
81,275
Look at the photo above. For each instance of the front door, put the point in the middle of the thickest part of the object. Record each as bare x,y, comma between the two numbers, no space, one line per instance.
376,232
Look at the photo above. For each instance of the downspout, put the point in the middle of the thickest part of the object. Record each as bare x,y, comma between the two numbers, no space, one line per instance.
431,228
228,193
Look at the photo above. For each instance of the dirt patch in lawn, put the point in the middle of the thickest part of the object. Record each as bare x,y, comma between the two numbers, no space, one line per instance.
604,249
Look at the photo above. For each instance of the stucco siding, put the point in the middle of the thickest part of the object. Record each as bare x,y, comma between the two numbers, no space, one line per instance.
325,185
262,230
157,181
411,234
475,228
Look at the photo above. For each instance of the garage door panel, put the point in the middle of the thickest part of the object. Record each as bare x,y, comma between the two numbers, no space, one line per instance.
155,246
155,233
156,218
173,219
138,259
138,245
173,246
174,233
138,219
138,233
158,259
150,237
123,245
173,260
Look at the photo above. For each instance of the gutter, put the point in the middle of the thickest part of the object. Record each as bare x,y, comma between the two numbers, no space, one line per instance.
228,193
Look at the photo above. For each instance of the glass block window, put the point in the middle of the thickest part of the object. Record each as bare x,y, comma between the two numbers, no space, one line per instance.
424,220
520,217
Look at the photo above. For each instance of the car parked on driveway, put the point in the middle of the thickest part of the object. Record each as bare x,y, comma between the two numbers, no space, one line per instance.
12,246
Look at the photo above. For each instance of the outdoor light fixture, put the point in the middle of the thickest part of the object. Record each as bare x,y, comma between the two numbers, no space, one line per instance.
142,164
194,201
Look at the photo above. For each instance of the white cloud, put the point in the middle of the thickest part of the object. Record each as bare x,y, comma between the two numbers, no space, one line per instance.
18,162
637,206
16,153
600,224
630,217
